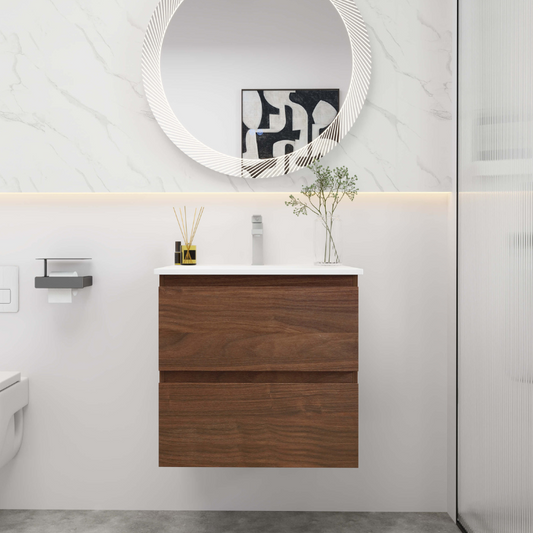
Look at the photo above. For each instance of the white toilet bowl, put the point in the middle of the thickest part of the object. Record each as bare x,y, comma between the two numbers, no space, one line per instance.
14,396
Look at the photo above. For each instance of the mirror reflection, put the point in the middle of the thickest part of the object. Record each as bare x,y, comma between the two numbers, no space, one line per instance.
256,78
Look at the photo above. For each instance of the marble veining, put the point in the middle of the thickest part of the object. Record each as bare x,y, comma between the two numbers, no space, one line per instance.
74,118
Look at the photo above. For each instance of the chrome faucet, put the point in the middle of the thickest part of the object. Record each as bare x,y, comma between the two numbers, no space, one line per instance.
257,240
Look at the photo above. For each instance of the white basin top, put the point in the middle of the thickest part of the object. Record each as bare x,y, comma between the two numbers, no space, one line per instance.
259,270
8,378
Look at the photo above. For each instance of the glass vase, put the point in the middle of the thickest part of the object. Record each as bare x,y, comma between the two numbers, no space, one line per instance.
328,240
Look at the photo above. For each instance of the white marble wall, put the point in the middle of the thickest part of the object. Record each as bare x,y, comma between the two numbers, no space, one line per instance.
73,116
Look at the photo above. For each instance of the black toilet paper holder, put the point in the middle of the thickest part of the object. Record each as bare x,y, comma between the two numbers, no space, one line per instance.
59,282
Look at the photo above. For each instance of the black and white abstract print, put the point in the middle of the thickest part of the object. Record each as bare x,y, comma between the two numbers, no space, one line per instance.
278,122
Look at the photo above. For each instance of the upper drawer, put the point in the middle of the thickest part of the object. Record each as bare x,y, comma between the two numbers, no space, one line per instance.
258,328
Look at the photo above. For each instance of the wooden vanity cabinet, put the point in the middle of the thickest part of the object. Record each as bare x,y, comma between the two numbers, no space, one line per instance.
258,371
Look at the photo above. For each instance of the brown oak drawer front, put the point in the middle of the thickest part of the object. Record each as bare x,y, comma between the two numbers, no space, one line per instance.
258,329
258,425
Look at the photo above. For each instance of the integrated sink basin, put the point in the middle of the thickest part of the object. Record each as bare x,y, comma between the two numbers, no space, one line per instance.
259,270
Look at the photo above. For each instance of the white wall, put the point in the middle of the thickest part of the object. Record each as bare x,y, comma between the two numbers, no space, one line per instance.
452,312
452,354
91,427
74,118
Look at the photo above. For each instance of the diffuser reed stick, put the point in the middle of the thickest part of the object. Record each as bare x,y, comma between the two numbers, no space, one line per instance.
184,227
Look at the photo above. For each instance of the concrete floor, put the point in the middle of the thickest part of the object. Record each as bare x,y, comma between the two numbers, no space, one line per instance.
221,522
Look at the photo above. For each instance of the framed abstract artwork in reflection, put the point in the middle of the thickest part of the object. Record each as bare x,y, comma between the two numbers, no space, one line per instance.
278,122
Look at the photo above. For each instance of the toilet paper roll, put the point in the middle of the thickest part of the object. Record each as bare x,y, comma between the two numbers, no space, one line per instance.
61,296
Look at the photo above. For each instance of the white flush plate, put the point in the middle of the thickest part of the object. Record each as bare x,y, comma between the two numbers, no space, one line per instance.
9,289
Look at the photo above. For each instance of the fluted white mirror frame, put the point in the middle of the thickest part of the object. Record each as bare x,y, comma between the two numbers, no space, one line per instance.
263,168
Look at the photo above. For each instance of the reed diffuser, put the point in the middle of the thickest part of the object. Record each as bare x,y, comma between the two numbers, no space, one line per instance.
188,250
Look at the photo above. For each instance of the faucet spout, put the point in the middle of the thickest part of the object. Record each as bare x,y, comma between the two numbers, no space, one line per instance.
257,240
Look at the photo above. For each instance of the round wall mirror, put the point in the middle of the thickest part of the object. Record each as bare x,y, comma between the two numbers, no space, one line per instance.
256,88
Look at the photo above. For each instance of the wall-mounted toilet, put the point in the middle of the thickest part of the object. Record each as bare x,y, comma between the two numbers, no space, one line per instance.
14,396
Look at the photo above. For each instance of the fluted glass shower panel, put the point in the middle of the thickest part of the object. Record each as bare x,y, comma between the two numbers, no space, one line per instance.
495,274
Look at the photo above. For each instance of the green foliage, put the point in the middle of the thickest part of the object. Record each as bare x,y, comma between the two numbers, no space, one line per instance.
326,193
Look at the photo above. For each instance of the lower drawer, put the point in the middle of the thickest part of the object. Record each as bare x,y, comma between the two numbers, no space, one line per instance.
258,425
